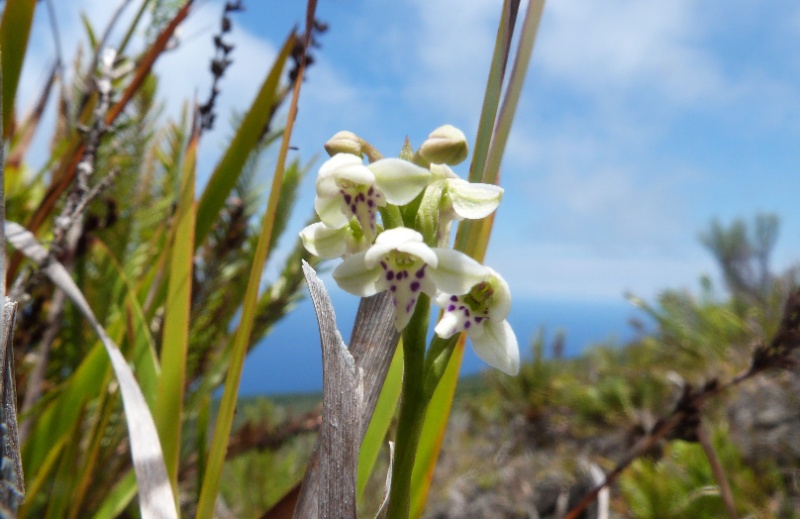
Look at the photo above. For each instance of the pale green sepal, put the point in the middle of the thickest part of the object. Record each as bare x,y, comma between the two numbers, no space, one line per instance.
330,211
427,219
473,201
498,346
353,276
456,272
325,242
400,181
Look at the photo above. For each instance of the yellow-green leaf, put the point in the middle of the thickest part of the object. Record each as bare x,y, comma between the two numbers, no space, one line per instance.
15,29
169,405
381,420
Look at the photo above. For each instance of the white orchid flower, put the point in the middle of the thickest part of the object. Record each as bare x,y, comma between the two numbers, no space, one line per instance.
462,200
330,242
481,313
402,263
346,188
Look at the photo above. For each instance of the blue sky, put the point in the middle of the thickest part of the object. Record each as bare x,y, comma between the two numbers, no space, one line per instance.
640,121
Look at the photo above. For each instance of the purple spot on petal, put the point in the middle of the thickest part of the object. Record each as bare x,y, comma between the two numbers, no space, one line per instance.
478,320
371,190
454,298
421,273
415,286
410,305
347,198
389,275
466,312
383,264
360,197
467,324
486,312
393,288
370,203
462,307
353,208
450,308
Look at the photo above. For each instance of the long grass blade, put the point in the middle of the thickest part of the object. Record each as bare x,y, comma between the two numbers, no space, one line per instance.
530,28
491,96
15,30
155,493
169,405
222,429
144,352
119,498
39,479
381,420
473,239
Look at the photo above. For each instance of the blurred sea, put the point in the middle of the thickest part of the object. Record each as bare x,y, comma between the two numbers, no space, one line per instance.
289,360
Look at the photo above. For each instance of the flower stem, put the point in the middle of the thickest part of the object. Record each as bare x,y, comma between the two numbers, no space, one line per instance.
413,405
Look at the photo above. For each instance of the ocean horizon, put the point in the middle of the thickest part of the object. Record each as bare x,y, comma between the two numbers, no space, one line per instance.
289,359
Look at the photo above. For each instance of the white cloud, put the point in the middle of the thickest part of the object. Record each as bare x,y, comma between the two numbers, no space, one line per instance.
617,47
453,48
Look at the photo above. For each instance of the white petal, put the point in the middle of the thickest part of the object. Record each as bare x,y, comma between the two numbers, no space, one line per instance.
473,200
325,242
326,179
498,347
337,161
376,253
326,186
456,272
442,299
401,316
399,180
398,235
419,250
354,276
355,173
501,299
447,326
330,211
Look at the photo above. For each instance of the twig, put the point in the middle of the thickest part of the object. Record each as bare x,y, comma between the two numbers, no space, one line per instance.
68,226
719,472
101,43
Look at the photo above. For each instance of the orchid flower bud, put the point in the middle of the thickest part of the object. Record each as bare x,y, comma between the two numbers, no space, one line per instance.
445,145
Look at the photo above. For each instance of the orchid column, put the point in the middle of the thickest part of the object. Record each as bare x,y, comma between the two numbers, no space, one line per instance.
390,222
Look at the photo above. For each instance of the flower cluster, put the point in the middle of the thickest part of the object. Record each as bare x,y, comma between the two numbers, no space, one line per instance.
420,197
